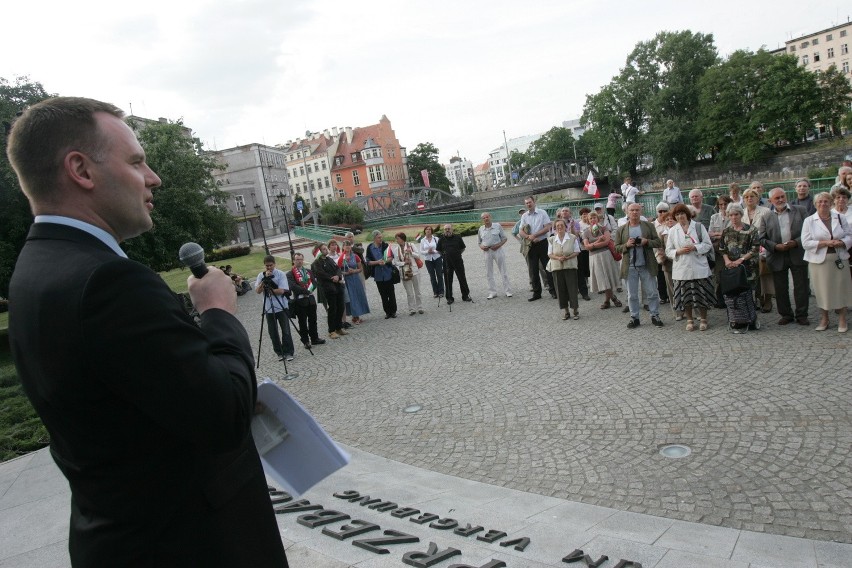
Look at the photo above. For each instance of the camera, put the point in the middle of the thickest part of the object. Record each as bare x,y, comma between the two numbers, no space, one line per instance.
269,283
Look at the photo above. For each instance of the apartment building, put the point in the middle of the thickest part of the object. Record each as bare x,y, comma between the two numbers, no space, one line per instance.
820,50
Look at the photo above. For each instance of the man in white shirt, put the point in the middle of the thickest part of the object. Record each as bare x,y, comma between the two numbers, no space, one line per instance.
538,222
629,191
671,194
606,219
491,241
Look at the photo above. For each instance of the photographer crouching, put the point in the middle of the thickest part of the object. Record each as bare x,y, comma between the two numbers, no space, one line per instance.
272,283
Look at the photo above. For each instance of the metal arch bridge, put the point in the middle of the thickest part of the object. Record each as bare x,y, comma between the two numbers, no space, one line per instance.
557,174
405,200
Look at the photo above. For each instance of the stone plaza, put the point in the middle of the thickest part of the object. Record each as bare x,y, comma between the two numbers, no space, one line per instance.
553,430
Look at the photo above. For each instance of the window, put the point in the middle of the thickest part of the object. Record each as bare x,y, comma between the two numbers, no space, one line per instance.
323,164
792,48
355,179
240,201
816,57
356,156
804,44
298,187
338,178
842,33
829,37
844,49
359,193
376,173
338,160
816,41
322,199
302,168
830,53
341,194
313,187
845,67
327,184
805,60
309,168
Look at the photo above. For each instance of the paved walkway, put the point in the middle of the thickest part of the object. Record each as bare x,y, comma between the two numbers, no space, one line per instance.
551,430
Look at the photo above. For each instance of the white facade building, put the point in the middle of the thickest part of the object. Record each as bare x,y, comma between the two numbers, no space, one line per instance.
460,174
497,158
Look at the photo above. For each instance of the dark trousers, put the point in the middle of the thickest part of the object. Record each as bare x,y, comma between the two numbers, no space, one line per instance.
273,322
307,315
801,289
436,274
536,257
455,266
387,293
334,308
662,289
583,273
566,287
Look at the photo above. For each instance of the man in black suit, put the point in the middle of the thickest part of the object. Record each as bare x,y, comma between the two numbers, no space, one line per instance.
781,235
148,414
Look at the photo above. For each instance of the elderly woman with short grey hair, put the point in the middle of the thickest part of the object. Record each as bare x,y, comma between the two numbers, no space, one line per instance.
740,246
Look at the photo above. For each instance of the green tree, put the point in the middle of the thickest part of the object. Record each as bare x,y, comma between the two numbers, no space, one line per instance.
835,99
555,145
752,102
342,213
648,110
188,206
15,214
424,156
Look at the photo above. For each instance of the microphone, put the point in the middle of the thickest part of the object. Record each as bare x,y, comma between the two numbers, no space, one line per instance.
191,255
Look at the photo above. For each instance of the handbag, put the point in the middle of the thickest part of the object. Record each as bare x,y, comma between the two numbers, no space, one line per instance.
711,256
395,278
734,281
615,254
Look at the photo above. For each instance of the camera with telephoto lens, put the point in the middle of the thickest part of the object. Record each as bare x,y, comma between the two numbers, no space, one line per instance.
268,283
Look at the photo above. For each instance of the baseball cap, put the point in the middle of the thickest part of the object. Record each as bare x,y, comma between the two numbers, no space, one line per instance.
599,205
521,211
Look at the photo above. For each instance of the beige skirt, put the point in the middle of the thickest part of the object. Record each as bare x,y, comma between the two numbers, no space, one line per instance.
832,286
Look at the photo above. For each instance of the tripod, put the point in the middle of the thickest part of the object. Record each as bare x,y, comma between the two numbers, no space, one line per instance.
268,296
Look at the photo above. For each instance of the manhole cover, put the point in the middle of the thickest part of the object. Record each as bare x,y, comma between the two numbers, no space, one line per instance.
412,408
675,451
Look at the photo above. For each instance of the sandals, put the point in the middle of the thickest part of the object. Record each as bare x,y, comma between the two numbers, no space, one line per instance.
690,325
703,325
605,305
616,302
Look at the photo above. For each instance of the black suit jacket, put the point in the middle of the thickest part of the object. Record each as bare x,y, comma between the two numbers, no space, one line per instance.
770,235
148,414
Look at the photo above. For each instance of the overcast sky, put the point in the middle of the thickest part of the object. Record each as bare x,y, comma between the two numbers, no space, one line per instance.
452,73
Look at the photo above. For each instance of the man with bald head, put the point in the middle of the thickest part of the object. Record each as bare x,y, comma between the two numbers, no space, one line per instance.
780,234
148,413
703,211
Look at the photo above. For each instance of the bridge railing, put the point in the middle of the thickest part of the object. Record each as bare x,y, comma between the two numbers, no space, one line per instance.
319,233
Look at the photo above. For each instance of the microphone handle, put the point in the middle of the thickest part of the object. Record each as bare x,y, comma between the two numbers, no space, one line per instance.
198,270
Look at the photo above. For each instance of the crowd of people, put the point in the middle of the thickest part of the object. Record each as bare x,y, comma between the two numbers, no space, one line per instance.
737,256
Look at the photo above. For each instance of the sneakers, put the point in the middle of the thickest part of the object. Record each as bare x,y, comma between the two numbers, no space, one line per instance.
491,296
420,311
412,312
634,323
508,294
333,335
657,321
289,358
341,332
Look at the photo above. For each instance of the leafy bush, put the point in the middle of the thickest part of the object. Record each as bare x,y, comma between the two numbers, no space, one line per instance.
342,213
226,253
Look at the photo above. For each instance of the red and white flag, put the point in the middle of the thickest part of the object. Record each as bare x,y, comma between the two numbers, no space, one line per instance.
591,187
425,175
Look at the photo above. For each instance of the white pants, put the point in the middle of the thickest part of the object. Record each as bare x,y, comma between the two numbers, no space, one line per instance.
412,292
498,256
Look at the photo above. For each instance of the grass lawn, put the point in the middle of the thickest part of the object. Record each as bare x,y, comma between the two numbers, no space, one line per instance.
248,266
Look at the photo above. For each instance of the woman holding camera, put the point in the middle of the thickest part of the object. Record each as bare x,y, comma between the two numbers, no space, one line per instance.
826,238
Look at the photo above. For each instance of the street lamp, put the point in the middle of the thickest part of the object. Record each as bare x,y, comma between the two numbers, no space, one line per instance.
308,174
262,232
241,205
282,201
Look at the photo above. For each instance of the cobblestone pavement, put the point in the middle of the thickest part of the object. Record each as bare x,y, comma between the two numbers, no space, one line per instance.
514,396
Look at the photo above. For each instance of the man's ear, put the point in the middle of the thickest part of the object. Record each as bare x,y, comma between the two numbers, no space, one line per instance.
77,166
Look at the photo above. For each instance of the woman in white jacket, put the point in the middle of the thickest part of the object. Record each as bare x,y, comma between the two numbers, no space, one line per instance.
688,246
406,258
826,236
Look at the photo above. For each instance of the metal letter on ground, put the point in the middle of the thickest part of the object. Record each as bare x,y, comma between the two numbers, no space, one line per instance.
444,524
404,512
354,528
297,507
391,537
324,517
424,518
519,543
492,564
468,530
491,536
430,557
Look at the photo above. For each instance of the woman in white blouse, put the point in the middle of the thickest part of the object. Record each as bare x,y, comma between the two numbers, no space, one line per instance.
826,236
406,257
688,245
434,261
